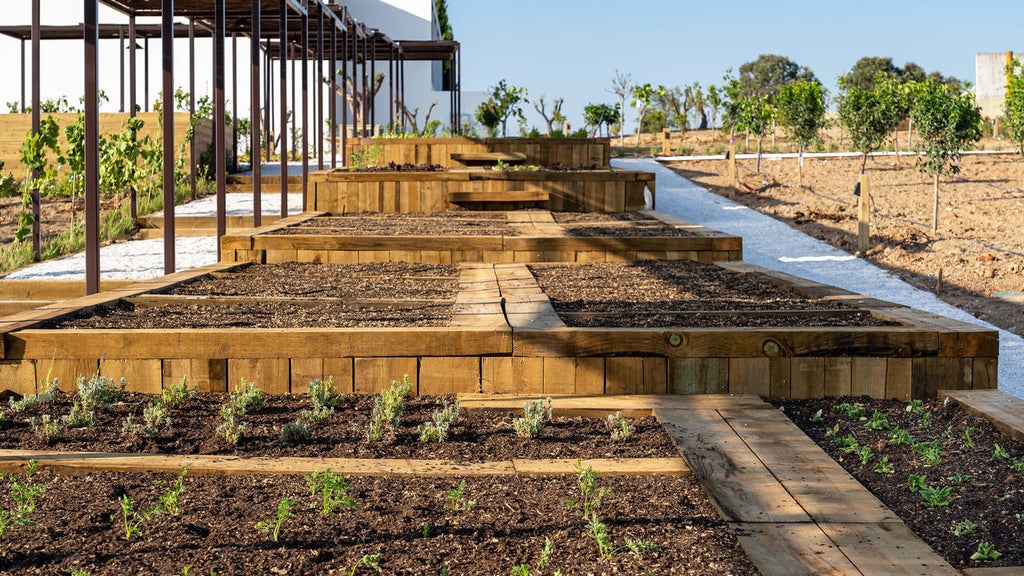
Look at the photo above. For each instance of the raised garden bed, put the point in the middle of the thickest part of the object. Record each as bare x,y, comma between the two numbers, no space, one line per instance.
542,151
969,490
466,236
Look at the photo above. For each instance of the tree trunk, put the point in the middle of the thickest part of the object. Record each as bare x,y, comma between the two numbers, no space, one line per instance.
703,120
910,132
759,155
863,162
800,168
639,124
773,133
935,214
897,140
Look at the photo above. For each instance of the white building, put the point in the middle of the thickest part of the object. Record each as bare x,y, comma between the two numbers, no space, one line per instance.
990,81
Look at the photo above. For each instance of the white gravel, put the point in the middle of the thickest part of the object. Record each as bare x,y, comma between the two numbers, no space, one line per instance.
766,242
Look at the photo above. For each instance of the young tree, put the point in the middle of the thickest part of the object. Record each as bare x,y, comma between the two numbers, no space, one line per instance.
948,123
1013,107
870,116
769,73
596,115
696,101
801,110
755,116
508,101
556,119
488,114
621,84
675,103
714,98
642,97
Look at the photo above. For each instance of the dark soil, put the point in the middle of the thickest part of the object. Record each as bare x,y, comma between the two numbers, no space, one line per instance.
414,224
402,521
630,224
682,293
406,167
477,436
988,492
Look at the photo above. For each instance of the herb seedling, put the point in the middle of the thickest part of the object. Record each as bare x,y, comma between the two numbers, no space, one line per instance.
883,466
900,437
542,562
599,532
177,394
964,528
79,417
986,551
926,420
816,417
437,429
99,392
619,427
1017,466
916,482
959,478
865,454
853,411
295,432
388,407
323,397
48,428
878,421
931,452
274,527
249,397
371,561
155,419
457,502
333,491
915,407
847,444
999,453
233,428
134,519
531,425
935,497
170,501
590,494
832,432
23,497
968,442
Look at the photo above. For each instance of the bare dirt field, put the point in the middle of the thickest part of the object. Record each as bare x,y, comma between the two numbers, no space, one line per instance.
979,245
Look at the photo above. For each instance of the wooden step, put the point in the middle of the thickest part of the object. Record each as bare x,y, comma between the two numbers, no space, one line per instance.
489,157
204,222
1006,412
14,306
516,196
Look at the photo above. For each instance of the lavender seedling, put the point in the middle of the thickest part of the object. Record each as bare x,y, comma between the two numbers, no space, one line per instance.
531,425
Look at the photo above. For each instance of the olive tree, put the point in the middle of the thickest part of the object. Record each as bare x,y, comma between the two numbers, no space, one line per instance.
596,115
801,111
507,102
871,116
755,116
642,98
948,123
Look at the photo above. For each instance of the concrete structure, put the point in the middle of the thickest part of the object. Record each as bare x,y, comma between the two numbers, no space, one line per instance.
990,81
411,20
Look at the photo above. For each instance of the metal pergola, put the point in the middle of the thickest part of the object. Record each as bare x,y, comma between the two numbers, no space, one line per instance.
301,31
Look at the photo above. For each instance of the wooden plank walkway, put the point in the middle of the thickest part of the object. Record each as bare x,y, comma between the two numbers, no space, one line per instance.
1006,412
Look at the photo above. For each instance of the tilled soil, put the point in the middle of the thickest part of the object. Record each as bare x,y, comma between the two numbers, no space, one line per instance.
414,224
477,436
681,293
402,524
629,224
984,488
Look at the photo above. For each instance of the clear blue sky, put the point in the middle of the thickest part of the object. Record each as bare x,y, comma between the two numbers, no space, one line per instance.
571,48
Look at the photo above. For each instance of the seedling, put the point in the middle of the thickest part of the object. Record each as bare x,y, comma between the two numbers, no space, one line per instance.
233,428
931,452
542,562
935,497
959,478
425,530
619,427
295,432
998,453
333,491
48,428
900,437
916,407
883,466
248,396
531,425
599,532
457,502
847,444
926,420
641,547
986,552
371,561
177,394
865,454
816,417
388,408
917,482
23,497
968,442
134,519
854,411
878,421
274,527
323,397
1017,466
832,432
155,418
79,417
437,429
170,501
99,392
590,494
964,528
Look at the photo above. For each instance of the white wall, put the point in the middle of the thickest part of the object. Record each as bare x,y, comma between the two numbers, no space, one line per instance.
990,82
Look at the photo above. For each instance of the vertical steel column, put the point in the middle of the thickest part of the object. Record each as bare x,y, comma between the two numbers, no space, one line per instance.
22,75
319,120
132,80
305,102
391,88
284,107
192,160
333,107
458,87
219,120
269,92
234,101
364,110
167,41
91,142
120,37
36,56
344,99
373,83
294,115
145,73
256,146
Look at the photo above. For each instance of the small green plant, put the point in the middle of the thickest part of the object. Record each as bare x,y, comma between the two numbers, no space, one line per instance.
999,453
959,478
816,417
915,407
878,421
933,497
437,429
931,452
1017,466
901,437
865,454
366,158
80,572
883,466
967,441
388,408
832,432
170,501
590,494
371,561
332,490
619,427
50,390
274,528
233,428
79,417
155,419
295,432
23,497
457,501
323,397
916,482
847,444
531,425
641,547
48,428
986,552
99,392
926,420
177,394
853,411
964,528
599,532
248,396
134,519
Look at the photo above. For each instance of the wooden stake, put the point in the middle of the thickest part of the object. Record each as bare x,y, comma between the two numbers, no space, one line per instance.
732,170
864,215
935,214
938,284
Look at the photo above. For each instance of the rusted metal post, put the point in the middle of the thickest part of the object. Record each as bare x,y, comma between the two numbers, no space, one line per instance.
864,215
304,153
120,53
391,88
371,97
319,120
234,101
333,108
256,145
219,120
91,142
23,81
145,73
268,109
36,208
167,41
284,107
192,160
132,107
